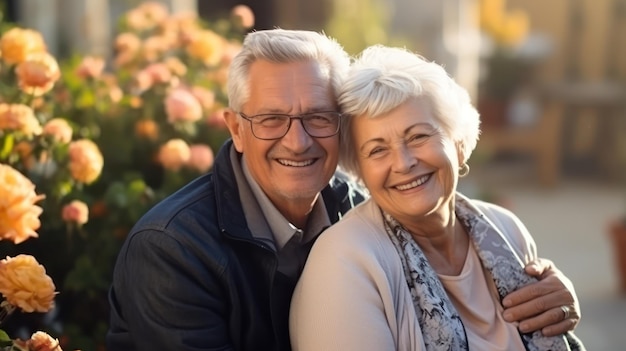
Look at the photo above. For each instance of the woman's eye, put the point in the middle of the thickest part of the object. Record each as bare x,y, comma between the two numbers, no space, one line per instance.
376,150
418,137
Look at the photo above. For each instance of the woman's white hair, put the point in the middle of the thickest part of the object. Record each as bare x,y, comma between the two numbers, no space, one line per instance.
383,78
284,46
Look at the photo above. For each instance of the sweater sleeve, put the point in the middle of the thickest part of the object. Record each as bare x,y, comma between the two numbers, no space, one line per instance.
339,302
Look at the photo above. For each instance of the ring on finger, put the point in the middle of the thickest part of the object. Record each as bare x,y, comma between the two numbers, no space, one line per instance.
566,313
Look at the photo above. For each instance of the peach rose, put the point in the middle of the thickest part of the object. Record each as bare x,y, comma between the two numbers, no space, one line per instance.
41,341
216,119
75,212
181,105
155,73
146,16
206,46
231,50
242,16
25,284
176,66
154,11
59,129
136,21
201,157
38,73
153,47
85,161
24,151
18,43
20,118
174,154
115,94
205,96
19,216
90,67
127,43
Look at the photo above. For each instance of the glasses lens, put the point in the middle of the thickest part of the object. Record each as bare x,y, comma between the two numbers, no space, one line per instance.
321,124
270,126
275,126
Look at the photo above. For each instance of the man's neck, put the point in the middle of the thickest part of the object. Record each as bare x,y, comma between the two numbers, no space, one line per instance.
297,212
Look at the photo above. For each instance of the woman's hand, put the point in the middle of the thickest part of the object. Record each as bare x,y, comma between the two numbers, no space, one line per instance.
549,304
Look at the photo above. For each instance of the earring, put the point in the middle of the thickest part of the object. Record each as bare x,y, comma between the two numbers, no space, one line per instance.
464,170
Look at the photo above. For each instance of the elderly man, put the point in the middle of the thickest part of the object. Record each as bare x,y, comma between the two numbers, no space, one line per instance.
213,266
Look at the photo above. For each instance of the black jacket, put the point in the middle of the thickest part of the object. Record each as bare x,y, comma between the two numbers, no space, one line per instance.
190,276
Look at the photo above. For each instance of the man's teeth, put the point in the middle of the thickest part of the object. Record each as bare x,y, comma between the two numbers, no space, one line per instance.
414,183
295,164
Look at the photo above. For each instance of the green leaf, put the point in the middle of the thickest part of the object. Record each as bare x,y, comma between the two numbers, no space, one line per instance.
7,146
5,340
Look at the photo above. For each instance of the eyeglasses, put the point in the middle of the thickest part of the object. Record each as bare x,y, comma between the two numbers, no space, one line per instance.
271,126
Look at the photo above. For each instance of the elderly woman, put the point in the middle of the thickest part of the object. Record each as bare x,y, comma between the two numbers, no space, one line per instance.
419,266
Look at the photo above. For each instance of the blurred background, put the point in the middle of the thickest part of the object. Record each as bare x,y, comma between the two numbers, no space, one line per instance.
549,80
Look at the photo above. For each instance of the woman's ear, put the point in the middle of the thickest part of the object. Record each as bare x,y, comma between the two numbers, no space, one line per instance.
460,153
233,123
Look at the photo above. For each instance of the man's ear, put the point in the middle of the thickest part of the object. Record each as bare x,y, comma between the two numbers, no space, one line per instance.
233,122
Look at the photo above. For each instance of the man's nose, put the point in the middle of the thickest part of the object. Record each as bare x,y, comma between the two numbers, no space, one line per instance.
297,139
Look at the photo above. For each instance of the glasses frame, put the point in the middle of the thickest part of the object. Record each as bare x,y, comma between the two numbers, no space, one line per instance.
291,117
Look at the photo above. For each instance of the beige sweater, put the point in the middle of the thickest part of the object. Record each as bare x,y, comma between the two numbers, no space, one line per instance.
353,294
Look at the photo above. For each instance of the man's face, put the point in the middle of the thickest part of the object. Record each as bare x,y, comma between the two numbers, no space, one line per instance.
291,170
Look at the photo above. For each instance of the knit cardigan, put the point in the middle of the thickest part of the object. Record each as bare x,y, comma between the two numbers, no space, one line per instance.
353,293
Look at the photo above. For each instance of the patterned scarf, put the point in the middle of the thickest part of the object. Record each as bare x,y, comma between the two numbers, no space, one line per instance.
441,324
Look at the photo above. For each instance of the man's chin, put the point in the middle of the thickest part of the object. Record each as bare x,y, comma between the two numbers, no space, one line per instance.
301,192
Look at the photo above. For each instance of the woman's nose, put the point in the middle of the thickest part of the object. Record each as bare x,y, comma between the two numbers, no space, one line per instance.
403,160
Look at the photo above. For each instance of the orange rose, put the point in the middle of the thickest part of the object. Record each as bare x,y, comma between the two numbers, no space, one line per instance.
206,46
38,73
174,154
17,44
85,161
19,216
147,128
75,212
25,284
19,118
59,129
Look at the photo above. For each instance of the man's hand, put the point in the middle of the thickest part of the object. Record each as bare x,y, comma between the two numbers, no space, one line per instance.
550,304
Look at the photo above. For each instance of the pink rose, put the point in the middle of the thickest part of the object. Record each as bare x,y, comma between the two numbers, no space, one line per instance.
201,157
75,212
182,106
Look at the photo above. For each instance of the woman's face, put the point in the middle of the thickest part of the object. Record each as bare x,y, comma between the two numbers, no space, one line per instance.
407,161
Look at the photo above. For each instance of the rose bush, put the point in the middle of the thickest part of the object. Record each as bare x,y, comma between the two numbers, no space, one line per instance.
24,284
101,141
